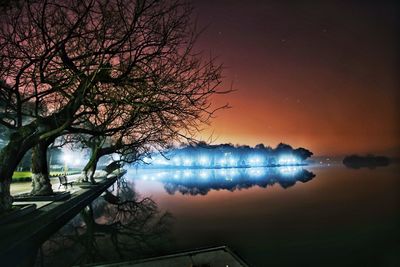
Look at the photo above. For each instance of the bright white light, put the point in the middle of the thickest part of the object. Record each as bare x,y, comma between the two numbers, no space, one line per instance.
203,160
177,161
254,161
222,161
232,162
233,172
187,162
160,174
289,170
72,158
256,172
204,174
67,157
187,173
287,160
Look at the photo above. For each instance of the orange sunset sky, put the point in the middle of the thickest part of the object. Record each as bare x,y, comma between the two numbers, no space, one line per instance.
319,75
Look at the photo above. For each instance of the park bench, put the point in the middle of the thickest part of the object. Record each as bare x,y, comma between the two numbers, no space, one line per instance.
64,181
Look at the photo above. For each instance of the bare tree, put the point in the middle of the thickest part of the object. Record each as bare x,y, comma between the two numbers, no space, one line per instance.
63,63
40,170
130,143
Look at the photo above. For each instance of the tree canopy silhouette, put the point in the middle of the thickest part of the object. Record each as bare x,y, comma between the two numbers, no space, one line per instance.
112,63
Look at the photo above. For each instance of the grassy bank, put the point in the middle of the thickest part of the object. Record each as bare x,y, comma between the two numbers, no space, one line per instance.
27,176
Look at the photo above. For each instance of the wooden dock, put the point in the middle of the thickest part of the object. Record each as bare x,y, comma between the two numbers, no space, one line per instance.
21,239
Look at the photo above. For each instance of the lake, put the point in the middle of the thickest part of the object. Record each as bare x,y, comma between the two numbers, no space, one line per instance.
302,216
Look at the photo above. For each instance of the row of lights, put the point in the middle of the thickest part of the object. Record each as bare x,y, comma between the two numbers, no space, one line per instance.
225,161
227,174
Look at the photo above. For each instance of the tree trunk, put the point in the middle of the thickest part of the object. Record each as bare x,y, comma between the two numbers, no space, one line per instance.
92,181
89,171
90,168
97,153
40,170
29,135
10,156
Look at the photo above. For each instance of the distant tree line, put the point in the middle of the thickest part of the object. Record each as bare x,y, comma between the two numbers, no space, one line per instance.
201,153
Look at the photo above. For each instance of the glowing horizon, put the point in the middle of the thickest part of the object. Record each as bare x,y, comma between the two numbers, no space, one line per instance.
302,81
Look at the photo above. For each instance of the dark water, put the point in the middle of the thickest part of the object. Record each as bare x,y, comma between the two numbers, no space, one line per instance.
318,216
339,217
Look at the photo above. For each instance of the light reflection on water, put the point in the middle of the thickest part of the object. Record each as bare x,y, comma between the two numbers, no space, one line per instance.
201,181
340,216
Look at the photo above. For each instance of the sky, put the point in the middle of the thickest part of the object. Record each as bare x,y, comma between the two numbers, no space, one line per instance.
316,74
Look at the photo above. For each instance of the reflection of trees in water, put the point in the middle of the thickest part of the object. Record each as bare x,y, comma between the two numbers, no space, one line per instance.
117,226
242,180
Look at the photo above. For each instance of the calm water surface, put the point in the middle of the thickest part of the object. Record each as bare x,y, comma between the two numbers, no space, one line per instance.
318,216
341,216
